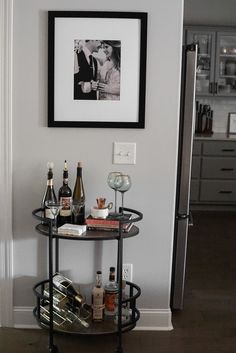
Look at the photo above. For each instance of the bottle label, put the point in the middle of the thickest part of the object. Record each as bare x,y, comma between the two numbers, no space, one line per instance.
48,213
66,210
98,303
110,302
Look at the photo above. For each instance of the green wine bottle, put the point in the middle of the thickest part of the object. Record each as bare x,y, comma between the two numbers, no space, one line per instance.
78,205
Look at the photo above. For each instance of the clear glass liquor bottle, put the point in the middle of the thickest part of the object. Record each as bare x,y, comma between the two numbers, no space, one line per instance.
98,298
111,292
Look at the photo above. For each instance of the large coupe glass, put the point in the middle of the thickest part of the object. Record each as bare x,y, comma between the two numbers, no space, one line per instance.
125,186
115,181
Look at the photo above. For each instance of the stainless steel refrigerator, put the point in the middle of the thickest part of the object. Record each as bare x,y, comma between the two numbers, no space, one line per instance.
182,213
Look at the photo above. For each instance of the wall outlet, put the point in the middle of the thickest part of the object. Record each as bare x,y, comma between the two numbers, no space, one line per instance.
127,272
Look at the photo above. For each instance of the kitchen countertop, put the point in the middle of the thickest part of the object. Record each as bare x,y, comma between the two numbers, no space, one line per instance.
218,136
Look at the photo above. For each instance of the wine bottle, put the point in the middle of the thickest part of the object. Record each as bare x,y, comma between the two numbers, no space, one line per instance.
65,286
49,194
98,298
65,197
79,197
111,291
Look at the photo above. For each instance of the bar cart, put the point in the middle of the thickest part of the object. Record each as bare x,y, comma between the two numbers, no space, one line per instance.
45,227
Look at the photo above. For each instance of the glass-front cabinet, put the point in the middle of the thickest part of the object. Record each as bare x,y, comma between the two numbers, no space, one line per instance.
225,74
216,63
205,60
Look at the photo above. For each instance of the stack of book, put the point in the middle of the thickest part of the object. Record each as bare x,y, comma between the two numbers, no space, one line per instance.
109,223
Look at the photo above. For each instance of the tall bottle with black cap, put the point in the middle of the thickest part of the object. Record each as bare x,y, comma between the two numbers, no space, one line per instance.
65,197
49,194
78,207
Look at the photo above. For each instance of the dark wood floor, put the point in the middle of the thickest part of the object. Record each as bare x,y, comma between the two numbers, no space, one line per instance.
206,325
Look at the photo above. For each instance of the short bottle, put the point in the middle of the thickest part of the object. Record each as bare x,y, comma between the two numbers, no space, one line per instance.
65,197
111,292
125,314
49,194
98,296
79,197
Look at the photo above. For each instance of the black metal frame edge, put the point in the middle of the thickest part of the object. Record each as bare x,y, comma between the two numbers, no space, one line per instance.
142,70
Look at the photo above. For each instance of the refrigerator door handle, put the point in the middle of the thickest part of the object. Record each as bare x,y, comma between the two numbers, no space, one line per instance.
184,216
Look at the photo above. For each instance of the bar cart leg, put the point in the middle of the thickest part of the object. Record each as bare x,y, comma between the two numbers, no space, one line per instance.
119,280
52,347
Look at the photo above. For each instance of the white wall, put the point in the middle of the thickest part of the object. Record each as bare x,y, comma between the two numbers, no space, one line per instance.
153,190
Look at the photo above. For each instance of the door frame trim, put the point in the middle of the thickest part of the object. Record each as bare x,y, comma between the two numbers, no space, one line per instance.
6,234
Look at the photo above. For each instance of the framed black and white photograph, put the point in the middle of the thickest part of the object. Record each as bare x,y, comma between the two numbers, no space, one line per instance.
96,69
232,123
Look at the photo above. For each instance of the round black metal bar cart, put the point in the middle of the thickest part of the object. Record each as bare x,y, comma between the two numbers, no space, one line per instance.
45,227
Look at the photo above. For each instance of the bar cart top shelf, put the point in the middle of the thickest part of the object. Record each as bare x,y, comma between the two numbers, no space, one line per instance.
91,234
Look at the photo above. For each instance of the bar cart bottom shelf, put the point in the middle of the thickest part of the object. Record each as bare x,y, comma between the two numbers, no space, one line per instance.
107,326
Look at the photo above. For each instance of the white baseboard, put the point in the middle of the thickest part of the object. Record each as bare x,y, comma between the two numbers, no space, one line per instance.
154,320
24,318
150,319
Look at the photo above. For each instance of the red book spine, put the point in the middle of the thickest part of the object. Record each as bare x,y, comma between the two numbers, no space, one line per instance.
102,222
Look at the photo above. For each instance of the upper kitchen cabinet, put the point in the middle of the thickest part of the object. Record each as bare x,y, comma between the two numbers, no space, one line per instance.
216,63
225,73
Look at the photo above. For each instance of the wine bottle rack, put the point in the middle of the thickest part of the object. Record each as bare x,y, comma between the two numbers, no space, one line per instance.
44,304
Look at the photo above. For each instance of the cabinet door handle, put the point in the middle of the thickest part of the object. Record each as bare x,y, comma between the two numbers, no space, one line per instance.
211,87
228,150
225,192
227,169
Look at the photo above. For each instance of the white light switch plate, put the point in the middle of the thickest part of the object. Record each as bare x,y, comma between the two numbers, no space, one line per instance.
124,153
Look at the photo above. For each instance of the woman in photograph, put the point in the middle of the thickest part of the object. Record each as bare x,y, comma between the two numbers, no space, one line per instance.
109,76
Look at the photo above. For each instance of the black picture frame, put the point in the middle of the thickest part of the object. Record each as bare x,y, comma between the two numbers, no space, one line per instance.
64,28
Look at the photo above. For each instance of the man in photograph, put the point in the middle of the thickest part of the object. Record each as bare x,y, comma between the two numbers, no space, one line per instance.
86,69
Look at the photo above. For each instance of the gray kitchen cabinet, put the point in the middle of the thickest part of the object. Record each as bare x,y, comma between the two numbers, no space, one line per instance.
213,179
216,63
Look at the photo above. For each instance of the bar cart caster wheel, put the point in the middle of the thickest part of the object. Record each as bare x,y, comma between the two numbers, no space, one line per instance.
53,349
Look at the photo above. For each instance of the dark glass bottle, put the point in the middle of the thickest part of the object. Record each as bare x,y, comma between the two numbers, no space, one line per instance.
49,194
65,196
79,197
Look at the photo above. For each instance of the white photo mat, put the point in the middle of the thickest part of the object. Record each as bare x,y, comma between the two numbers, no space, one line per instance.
65,107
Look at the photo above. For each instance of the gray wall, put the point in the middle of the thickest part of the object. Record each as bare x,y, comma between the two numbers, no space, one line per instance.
210,12
153,190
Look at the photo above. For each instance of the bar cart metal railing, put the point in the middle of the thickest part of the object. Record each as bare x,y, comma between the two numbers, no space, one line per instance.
45,227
